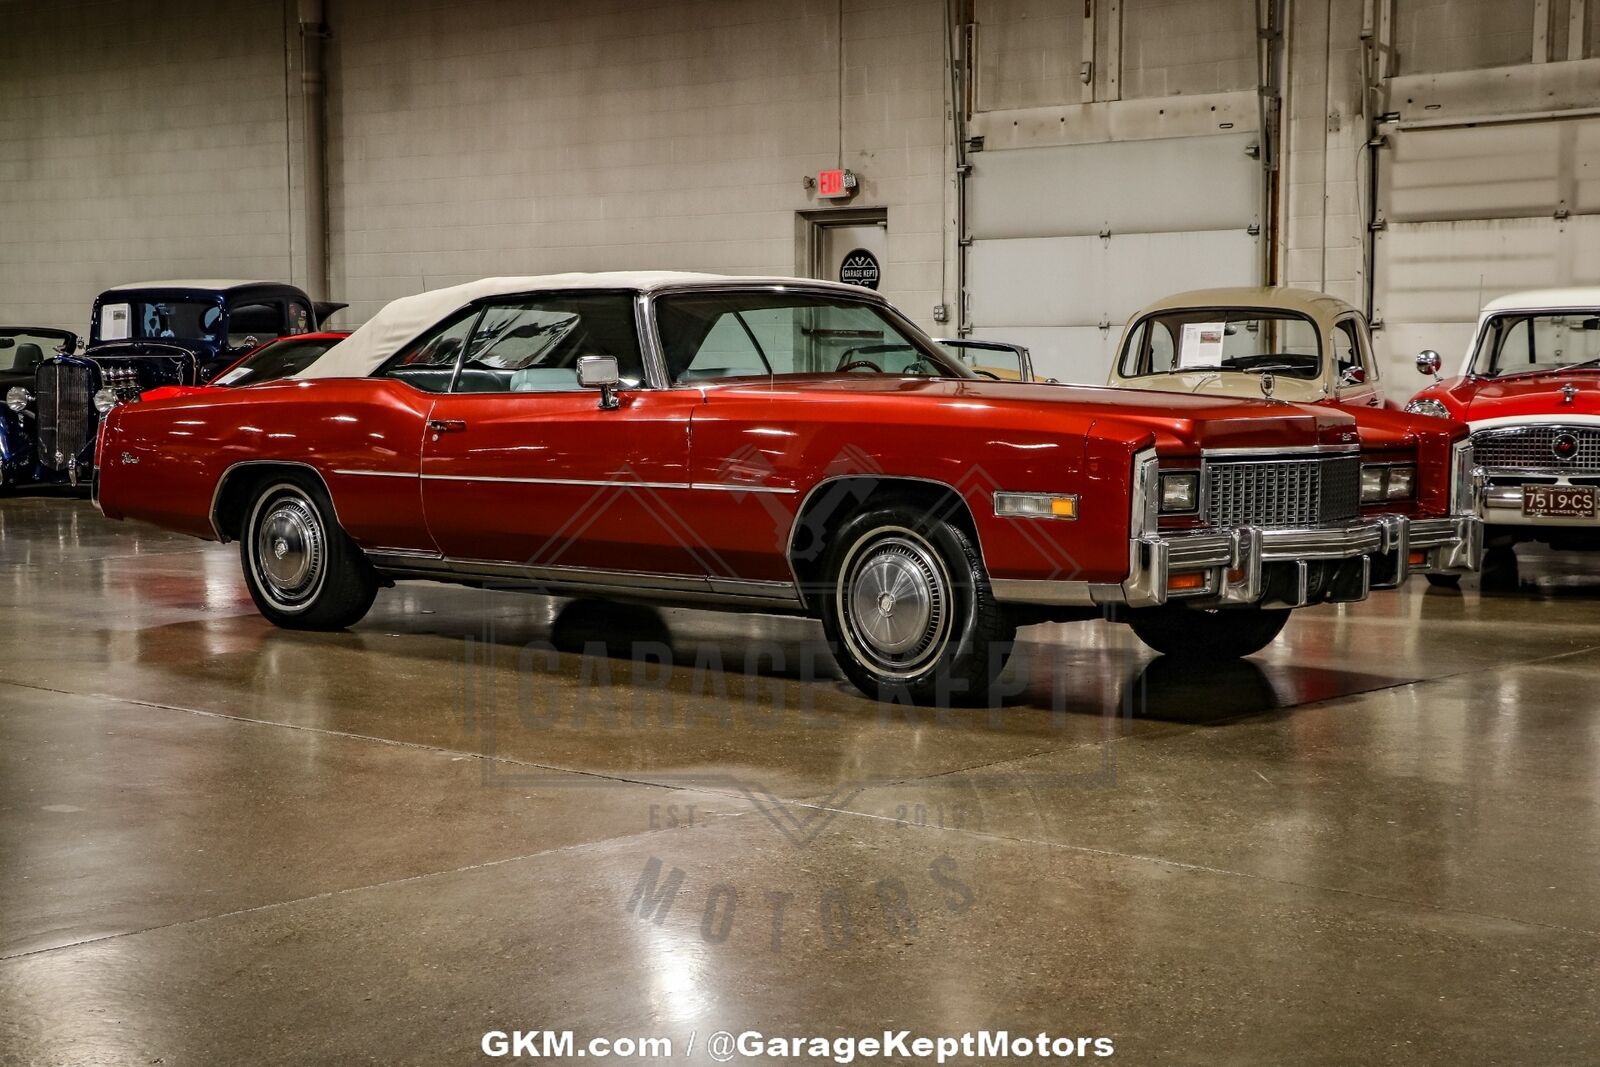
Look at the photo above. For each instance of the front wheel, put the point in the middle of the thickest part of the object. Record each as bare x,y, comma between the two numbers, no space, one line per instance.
1196,633
303,571
909,609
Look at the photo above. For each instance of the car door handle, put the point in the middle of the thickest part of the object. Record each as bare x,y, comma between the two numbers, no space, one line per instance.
447,425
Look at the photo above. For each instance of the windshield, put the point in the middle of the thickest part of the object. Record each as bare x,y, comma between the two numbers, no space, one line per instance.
25,351
1223,339
1534,342
711,335
140,320
279,359
998,361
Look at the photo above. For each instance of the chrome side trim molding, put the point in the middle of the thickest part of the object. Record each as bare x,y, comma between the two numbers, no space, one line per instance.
374,474
568,581
598,483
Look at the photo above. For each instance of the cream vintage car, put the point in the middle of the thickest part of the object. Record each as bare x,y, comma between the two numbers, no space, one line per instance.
1306,347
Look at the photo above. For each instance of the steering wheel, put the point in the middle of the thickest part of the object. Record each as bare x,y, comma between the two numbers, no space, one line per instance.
860,364
987,374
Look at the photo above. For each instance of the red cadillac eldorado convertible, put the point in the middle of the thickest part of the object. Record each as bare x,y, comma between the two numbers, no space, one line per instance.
772,445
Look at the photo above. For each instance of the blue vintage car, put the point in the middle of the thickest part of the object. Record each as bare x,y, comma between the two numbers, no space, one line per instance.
23,349
142,336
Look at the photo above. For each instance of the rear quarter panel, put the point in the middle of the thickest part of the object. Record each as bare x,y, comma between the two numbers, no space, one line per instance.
164,458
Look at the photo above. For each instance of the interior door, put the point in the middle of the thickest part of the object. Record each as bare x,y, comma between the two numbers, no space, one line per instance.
852,252
520,465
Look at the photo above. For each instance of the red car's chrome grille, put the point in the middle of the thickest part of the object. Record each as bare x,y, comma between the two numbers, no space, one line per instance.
1541,447
1282,492
66,425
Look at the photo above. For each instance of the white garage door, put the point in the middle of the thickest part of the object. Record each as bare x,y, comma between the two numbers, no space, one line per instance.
1473,213
1068,242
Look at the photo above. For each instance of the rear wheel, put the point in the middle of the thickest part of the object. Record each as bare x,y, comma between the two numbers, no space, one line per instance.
1196,633
303,571
910,612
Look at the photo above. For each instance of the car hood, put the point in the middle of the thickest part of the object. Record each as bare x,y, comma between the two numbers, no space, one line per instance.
1477,399
1178,422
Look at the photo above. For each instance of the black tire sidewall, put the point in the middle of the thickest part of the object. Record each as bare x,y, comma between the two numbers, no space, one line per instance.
948,674
347,585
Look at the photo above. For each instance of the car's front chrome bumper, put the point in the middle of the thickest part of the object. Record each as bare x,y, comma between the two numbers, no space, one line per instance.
1271,566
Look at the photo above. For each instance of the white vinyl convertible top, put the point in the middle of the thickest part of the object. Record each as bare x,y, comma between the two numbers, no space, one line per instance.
401,321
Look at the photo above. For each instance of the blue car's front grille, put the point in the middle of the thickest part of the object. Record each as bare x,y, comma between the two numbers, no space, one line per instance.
66,424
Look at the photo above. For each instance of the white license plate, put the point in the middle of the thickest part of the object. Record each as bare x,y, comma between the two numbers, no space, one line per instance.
1558,501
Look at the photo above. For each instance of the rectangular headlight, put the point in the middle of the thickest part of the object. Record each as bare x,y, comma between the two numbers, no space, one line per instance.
1402,483
1372,479
1180,492
1036,505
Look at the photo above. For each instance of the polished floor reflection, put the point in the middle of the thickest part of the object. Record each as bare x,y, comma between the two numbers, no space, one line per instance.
1376,842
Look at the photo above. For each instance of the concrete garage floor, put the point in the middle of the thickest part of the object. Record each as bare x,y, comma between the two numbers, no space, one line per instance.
1377,842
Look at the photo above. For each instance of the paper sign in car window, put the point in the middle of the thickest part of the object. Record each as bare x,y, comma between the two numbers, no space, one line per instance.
232,376
1201,344
114,322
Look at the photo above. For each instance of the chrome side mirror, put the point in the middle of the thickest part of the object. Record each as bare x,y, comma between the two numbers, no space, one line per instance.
1352,376
1428,362
601,372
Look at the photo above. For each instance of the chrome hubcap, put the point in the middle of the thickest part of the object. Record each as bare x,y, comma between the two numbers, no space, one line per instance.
290,548
895,602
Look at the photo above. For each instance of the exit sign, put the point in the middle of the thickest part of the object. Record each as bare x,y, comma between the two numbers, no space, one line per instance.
835,184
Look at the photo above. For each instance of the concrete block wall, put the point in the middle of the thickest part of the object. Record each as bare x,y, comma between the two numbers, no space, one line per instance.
1181,47
501,137
138,140
1324,182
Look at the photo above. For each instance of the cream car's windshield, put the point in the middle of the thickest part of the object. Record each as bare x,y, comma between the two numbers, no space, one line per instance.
1537,342
763,333
1251,340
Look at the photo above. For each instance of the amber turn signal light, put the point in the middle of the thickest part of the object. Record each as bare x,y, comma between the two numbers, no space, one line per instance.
1186,582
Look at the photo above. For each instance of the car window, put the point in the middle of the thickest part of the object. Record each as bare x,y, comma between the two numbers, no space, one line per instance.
1516,344
1223,339
986,361
532,345
299,318
134,319
25,351
1348,363
429,362
250,324
280,359
710,335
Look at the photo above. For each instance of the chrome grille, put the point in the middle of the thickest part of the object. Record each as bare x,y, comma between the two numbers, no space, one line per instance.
1533,448
1282,492
65,424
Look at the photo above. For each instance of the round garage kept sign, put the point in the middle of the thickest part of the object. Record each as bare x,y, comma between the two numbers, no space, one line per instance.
859,267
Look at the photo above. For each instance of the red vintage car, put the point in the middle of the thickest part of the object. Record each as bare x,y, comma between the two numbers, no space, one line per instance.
772,445
1529,388
282,357
1306,347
